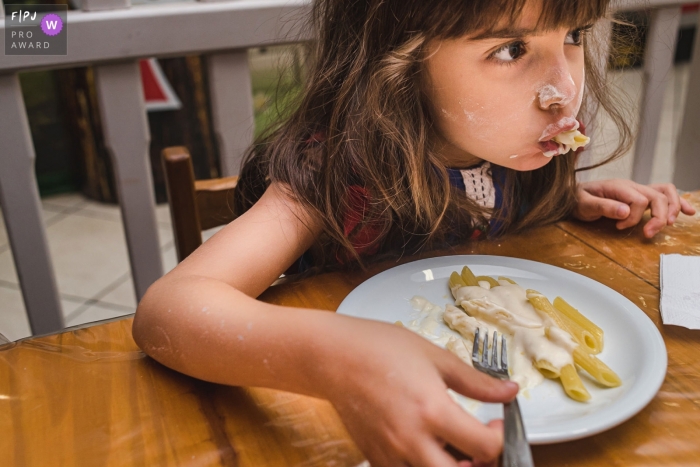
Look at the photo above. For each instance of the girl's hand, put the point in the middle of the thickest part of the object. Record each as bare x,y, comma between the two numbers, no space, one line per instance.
389,386
626,201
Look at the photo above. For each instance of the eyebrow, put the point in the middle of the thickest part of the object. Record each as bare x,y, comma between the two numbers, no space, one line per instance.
506,33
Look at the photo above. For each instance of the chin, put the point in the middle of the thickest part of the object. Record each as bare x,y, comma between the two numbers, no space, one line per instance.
529,162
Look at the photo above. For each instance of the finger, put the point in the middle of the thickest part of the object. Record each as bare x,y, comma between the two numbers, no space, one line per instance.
498,425
458,455
674,200
686,207
467,381
591,207
482,442
638,204
627,192
659,210
432,454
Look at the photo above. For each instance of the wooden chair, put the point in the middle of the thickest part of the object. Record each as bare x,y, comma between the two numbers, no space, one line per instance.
195,205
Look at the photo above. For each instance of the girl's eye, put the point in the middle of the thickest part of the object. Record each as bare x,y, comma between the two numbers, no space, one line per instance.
510,52
574,37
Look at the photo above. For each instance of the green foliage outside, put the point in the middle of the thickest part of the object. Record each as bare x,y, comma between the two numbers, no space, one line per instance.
276,75
276,86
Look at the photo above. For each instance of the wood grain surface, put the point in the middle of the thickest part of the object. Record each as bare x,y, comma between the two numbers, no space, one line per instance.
90,397
623,247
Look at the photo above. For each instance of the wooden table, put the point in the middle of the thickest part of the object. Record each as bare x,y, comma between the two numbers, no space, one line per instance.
91,397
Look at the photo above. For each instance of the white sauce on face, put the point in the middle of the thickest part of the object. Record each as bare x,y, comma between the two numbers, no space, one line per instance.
549,94
573,139
569,140
553,128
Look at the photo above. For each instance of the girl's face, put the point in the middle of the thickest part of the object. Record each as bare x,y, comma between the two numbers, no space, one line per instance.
500,97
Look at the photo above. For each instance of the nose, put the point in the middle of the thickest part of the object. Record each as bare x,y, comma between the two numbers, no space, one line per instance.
559,90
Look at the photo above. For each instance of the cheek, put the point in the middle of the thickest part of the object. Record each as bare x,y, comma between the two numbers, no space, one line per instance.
472,106
504,116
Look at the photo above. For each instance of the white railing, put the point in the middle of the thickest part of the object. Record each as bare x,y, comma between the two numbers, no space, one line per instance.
112,36
113,39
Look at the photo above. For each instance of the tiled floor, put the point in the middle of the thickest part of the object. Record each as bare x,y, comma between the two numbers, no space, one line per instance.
88,248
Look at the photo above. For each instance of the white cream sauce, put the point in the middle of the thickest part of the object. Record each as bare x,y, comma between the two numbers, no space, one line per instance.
504,309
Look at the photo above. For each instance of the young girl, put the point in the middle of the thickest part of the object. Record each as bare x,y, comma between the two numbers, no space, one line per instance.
422,123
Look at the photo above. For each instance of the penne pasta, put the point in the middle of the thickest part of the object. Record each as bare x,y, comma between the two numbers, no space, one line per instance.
574,315
456,281
549,339
468,276
548,370
596,368
573,386
492,282
461,322
584,337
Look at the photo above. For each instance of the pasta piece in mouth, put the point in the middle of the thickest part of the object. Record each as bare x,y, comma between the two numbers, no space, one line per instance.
570,140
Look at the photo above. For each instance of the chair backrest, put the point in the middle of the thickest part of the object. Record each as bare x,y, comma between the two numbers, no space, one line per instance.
194,205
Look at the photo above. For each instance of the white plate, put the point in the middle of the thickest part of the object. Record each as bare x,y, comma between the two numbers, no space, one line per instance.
633,346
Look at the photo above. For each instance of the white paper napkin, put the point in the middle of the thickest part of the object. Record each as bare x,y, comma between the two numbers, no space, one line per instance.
680,290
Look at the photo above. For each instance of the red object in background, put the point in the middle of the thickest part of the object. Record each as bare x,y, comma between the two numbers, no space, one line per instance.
157,91
690,7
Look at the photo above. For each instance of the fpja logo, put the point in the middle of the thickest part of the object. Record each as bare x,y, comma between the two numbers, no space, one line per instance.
35,30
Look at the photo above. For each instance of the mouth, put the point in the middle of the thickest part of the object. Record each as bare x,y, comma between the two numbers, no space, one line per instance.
561,137
554,129
551,148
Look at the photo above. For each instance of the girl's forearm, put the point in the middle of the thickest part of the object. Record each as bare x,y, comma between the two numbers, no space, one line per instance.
211,331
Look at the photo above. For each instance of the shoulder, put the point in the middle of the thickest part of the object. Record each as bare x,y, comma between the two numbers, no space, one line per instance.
279,202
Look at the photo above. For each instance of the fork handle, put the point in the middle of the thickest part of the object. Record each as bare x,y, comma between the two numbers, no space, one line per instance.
516,450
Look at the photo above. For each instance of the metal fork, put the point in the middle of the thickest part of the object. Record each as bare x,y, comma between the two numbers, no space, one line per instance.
516,450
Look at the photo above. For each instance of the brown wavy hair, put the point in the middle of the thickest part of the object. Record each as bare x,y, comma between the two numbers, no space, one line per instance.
364,95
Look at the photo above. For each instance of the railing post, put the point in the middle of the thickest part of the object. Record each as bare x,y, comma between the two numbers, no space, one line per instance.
127,137
232,106
686,175
658,61
19,197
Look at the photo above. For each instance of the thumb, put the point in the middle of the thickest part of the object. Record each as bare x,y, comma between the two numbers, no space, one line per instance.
592,207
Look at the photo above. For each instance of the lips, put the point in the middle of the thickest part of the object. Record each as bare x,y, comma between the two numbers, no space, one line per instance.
560,137
551,148
552,130
547,146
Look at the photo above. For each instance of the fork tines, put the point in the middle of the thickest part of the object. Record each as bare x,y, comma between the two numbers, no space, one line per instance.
486,364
